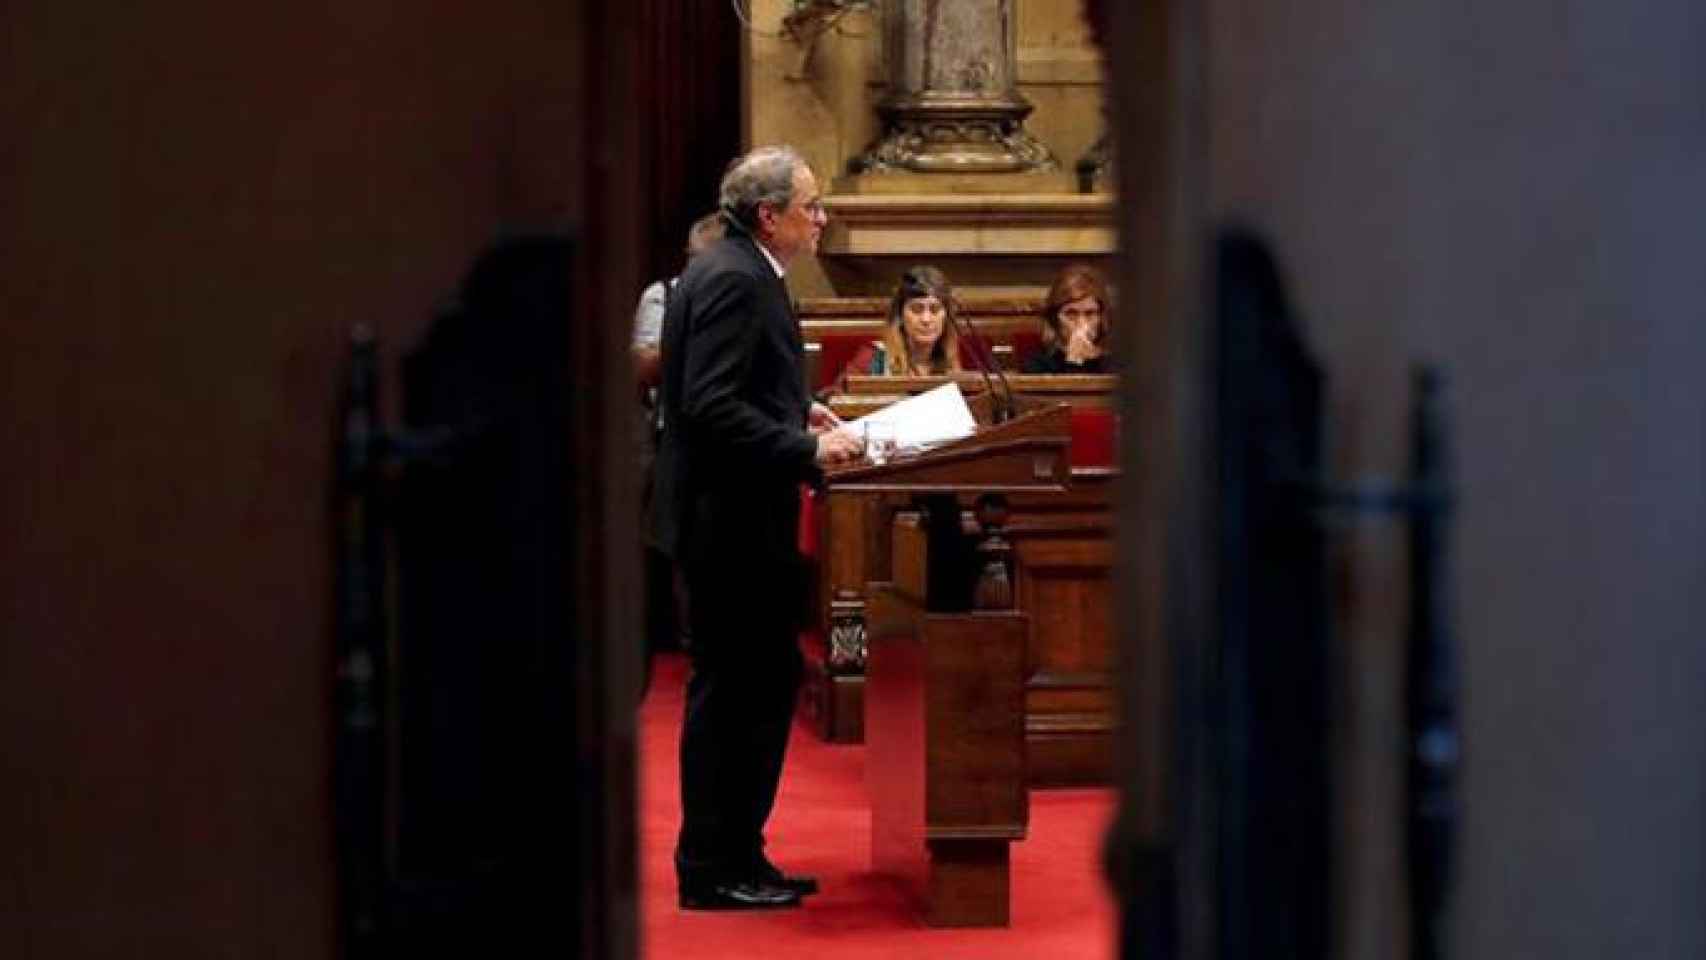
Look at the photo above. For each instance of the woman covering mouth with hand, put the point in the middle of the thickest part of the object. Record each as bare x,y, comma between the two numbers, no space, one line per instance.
1075,325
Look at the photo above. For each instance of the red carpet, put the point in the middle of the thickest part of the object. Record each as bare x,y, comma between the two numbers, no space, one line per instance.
821,826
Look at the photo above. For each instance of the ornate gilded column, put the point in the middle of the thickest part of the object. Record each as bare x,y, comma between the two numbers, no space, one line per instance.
953,104
1096,167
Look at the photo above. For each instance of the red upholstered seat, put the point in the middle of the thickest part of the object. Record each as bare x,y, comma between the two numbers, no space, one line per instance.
1022,343
1026,344
836,350
1095,438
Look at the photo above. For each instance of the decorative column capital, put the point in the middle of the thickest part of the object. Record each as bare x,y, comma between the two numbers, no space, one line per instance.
953,105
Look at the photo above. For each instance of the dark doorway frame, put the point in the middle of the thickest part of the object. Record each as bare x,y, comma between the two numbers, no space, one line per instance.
1157,847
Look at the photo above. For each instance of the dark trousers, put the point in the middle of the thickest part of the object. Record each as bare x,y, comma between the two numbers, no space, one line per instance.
740,707
665,619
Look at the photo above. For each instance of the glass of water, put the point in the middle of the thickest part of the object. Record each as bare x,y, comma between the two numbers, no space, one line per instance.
879,441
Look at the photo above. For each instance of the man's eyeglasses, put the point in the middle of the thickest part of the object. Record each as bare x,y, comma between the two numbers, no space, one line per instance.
813,208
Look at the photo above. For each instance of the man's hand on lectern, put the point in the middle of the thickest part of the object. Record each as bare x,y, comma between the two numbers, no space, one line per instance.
837,446
822,419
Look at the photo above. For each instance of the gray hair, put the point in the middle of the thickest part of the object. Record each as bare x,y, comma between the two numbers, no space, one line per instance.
766,175
705,231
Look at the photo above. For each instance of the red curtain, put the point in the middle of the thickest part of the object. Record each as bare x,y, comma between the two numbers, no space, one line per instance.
689,96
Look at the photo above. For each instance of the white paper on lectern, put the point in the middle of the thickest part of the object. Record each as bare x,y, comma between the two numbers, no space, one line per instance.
935,416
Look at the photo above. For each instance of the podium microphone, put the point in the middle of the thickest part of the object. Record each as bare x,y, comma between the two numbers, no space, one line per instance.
1001,407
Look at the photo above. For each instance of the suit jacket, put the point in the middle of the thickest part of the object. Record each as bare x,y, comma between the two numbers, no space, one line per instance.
735,446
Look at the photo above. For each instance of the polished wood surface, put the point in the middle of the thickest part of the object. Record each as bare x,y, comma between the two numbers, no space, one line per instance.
1063,566
1025,454
992,315
834,328
947,745
956,694
1062,548
946,683
862,395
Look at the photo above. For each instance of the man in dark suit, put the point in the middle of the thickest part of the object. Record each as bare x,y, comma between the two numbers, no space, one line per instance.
740,435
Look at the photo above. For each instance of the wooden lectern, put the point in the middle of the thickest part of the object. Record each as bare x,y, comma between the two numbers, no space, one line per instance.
1062,575
945,683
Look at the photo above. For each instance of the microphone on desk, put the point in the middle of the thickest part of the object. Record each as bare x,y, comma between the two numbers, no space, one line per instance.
1001,404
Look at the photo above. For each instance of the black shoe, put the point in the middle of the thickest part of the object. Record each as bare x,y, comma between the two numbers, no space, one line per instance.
737,895
771,875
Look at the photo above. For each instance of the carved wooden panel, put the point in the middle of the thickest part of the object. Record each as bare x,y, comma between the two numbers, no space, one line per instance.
1069,707
1064,559
946,764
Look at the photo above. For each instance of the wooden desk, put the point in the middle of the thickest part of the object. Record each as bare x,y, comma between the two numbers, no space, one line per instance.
1062,548
868,394
946,659
946,768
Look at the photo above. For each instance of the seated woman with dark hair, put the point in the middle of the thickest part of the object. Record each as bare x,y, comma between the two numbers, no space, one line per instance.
1075,324
920,338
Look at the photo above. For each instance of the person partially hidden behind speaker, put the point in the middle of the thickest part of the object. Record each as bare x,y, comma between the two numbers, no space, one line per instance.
740,435
920,338
1075,324
665,619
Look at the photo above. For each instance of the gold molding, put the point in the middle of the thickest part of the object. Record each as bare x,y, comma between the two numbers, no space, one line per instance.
1014,224
1059,66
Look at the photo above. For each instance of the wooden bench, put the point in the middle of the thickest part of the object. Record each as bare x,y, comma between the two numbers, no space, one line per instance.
836,328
